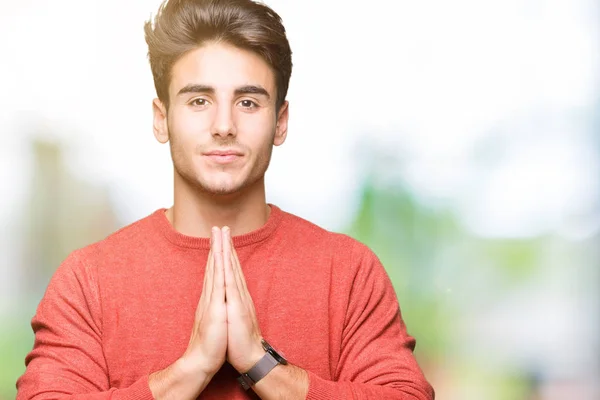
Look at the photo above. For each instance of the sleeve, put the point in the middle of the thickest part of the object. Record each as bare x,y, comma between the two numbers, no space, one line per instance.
376,360
67,360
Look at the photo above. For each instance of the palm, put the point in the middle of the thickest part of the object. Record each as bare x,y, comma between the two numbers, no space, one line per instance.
243,332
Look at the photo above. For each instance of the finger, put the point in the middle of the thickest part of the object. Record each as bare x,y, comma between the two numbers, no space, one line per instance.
245,296
237,268
217,249
216,245
208,273
234,266
231,288
207,268
219,276
239,275
205,284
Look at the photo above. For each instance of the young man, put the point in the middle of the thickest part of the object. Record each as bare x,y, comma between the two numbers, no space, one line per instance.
221,296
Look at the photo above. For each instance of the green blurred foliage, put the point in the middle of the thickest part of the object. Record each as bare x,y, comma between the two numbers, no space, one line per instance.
62,213
444,275
16,340
407,237
441,272
517,259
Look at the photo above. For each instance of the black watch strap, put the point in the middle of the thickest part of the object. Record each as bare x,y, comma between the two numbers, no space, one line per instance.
258,371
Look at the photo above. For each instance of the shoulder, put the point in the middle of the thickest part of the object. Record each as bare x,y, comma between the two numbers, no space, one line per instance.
133,233
343,247
301,228
115,246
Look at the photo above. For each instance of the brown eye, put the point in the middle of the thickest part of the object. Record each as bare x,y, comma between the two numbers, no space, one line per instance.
248,104
198,102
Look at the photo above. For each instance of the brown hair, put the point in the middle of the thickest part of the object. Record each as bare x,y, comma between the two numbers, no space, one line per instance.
184,25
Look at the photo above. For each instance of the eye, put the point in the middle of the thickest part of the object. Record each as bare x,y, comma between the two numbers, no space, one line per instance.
199,102
248,104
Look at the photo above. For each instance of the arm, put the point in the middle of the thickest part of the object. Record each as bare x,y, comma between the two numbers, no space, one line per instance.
67,361
376,360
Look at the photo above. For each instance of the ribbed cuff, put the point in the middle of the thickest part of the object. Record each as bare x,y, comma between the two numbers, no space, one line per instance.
140,390
320,389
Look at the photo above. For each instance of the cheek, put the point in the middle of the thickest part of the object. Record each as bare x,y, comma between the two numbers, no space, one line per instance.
187,123
259,133
263,149
186,130
181,138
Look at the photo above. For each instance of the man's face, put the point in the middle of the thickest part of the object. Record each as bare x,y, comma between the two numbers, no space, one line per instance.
222,121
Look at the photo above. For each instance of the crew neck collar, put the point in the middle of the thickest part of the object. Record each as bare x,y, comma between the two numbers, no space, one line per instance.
163,224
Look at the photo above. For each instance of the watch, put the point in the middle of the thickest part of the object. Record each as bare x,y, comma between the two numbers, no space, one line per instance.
269,361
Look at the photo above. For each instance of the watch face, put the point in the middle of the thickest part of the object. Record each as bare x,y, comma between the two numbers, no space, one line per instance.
280,357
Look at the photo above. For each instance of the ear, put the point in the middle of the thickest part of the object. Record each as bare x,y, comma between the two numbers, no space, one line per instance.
160,126
282,124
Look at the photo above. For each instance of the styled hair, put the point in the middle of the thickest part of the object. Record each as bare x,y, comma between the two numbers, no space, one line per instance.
181,26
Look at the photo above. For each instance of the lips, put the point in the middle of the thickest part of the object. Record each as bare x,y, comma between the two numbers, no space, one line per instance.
223,156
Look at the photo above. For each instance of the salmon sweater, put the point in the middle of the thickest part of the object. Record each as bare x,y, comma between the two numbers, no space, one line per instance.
122,308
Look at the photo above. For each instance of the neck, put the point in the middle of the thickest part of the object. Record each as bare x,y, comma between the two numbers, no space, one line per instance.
195,212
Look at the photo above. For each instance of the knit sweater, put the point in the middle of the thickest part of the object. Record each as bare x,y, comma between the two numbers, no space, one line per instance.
122,308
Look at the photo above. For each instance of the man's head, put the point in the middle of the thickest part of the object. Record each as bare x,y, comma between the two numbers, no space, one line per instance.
221,70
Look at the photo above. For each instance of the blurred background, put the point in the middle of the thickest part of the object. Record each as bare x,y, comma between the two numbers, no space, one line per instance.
459,140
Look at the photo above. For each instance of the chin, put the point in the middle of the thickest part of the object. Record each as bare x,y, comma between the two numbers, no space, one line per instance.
221,188
216,184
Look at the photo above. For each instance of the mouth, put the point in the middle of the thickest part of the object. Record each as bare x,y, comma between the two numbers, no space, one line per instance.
223,156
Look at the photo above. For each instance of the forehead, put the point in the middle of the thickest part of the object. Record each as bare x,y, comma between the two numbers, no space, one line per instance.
223,67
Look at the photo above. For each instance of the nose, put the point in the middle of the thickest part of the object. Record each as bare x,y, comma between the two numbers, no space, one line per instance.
223,124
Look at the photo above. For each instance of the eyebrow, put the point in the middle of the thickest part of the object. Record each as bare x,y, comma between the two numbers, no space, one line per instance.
247,89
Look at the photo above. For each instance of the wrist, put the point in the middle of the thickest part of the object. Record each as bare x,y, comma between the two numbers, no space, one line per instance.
189,368
180,380
269,360
289,378
254,355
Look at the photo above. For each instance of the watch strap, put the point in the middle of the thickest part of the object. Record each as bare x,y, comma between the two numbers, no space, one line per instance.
258,371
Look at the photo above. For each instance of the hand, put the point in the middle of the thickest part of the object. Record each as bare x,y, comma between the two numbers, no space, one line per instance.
208,341
206,351
244,347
